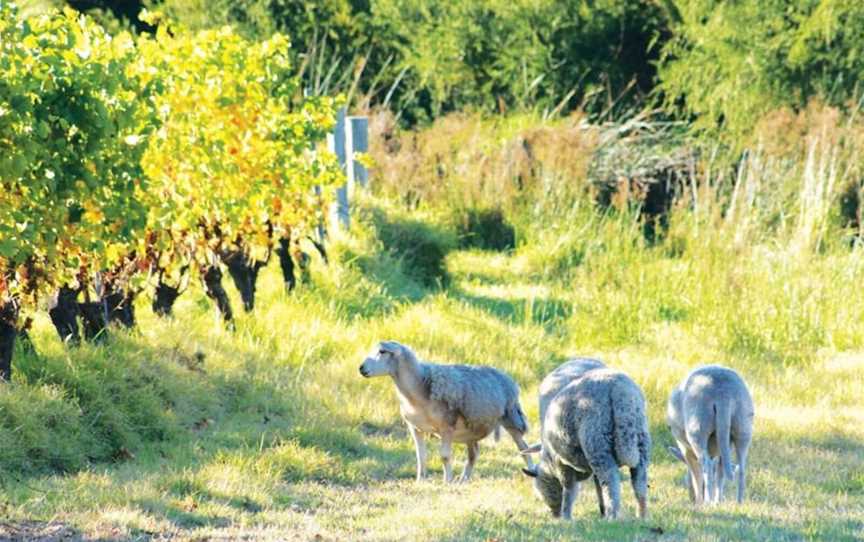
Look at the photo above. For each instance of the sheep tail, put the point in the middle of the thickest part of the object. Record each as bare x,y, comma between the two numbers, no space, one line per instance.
625,425
517,418
723,421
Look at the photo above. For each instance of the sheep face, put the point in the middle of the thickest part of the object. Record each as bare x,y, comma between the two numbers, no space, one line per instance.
547,487
382,361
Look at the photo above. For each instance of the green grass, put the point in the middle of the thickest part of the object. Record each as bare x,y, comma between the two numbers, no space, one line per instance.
276,436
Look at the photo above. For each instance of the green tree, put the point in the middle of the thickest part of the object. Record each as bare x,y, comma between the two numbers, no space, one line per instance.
731,62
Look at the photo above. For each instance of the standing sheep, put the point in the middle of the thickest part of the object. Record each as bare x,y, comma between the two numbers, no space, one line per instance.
710,408
458,403
593,426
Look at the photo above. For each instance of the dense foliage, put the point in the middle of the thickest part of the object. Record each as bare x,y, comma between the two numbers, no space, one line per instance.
424,58
732,62
68,118
124,159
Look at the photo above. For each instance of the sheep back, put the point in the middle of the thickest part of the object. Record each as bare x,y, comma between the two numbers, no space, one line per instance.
598,419
564,374
480,394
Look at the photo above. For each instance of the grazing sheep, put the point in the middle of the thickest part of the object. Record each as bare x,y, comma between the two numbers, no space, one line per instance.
458,403
709,409
564,374
593,426
557,380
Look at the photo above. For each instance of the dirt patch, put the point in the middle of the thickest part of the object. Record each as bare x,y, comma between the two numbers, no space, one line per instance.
38,531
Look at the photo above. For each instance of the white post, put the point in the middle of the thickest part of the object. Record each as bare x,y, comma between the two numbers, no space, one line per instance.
356,140
339,212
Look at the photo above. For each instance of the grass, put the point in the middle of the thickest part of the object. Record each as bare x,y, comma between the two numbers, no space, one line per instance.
182,429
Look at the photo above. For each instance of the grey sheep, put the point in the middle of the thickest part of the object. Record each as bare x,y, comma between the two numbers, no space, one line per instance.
593,426
564,374
711,409
458,403
557,380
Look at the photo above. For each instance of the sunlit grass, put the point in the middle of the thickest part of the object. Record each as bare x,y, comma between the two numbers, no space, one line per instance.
274,435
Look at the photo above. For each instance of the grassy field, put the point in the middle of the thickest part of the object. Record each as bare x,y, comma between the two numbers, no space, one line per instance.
185,430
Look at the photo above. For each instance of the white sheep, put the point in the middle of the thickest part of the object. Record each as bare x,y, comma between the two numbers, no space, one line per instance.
593,426
458,403
710,409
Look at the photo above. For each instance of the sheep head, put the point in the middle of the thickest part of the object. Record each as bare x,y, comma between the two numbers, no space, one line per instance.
548,487
385,359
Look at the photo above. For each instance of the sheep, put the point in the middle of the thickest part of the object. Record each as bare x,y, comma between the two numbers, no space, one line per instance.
564,374
593,426
458,403
555,381
709,409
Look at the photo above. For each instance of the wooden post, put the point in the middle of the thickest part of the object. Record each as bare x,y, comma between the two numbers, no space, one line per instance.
339,212
356,140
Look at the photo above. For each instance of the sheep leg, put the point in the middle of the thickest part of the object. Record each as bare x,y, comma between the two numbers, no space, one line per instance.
473,452
420,449
447,456
570,492
600,499
611,481
742,445
718,494
709,474
695,476
516,435
688,481
639,481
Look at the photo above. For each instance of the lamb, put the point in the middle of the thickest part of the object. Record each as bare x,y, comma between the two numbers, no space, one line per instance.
593,426
458,403
709,409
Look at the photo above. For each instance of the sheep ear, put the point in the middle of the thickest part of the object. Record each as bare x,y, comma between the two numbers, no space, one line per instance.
530,472
535,449
677,453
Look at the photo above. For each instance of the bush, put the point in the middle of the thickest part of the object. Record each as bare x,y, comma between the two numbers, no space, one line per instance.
486,229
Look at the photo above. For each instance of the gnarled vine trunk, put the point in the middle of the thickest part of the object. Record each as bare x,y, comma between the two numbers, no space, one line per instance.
212,276
64,314
244,273
8,332
286,262
166,295
121,307
94,318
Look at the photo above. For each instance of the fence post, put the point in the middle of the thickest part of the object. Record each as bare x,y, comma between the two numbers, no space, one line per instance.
339,212
356,140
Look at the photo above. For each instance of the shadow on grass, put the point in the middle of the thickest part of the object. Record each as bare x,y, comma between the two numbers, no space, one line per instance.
549,313
182,516
487,526
713,525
